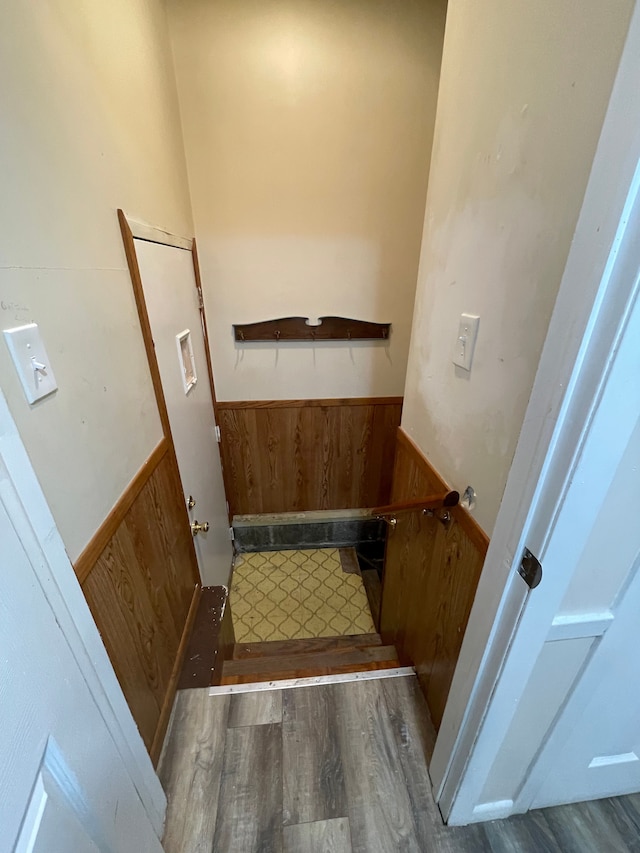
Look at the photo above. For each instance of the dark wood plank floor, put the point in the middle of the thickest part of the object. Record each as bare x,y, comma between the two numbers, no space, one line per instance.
341,768
202,661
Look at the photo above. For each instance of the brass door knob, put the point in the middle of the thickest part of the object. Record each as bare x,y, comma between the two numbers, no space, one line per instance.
196,527
191,502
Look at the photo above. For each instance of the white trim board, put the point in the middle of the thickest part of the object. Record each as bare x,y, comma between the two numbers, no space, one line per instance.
143,231
312,681
574,626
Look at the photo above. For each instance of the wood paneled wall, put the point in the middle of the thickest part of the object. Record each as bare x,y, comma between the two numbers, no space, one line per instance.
140,578
298,455
430,578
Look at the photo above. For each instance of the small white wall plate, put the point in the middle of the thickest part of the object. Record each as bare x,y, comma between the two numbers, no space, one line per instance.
186,360
31,361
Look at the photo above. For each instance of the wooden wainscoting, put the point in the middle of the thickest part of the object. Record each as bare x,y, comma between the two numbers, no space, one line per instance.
140,578
299,455
430,578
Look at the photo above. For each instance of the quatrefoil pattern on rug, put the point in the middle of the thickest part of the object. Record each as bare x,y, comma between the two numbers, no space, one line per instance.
295,595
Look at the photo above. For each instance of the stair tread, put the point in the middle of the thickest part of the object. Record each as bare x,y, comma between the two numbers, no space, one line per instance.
313,660
307,672
277,648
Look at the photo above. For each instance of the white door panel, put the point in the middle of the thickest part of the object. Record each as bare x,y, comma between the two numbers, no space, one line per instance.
171,297
596,742
63,783
51,823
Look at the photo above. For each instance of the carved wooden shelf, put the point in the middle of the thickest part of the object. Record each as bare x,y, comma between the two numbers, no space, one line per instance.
299,329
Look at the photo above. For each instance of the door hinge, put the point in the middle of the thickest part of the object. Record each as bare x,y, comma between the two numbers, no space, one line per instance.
231,536
218,439
530,569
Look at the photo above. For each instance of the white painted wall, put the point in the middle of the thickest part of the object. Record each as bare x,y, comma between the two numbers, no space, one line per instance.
89,123
308,129
523,93
600,275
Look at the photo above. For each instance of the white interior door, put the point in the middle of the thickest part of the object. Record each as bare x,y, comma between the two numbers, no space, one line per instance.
171,297
563,722
594,749
64,782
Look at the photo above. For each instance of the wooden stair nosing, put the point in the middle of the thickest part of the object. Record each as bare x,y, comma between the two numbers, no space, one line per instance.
305,672
276,648
314,660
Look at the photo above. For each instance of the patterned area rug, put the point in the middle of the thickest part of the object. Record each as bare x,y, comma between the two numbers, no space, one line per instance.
296,595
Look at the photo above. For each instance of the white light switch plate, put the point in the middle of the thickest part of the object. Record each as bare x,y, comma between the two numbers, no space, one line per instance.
31,361
466,340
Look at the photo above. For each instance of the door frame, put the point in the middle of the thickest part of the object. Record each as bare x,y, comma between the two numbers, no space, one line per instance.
131,230
66,599
592,302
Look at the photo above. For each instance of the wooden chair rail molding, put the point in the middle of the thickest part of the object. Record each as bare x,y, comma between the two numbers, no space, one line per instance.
446,499
323,403
99,541
430,577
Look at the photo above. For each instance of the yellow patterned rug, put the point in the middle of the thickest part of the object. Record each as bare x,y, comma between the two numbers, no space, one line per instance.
296,595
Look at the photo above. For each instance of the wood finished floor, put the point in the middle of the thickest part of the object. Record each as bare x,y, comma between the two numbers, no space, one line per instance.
340,768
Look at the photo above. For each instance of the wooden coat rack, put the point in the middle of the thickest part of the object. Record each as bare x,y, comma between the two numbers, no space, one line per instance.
299,329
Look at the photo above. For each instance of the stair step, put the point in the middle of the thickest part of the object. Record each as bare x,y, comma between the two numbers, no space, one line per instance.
277,648
310,664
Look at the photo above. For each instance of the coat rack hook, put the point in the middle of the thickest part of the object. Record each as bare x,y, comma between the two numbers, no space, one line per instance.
301,329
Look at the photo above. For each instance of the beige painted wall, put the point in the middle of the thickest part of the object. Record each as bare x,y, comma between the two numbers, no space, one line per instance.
89,124
524,89
308,128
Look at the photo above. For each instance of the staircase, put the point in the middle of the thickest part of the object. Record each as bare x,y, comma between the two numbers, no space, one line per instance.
283,659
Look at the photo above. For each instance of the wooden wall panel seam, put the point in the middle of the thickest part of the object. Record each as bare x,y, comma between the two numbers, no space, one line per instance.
99,541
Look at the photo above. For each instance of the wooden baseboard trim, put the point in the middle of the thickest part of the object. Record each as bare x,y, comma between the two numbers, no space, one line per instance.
167,705
109,526
299,404
468,523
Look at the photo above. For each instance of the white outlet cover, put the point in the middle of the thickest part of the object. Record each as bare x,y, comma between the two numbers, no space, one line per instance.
466,340
31,361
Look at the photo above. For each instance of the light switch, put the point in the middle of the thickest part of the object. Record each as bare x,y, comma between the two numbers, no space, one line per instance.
31,361
466,340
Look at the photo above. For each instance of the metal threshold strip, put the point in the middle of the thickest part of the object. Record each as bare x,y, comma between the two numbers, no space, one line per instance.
313,681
